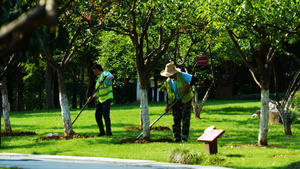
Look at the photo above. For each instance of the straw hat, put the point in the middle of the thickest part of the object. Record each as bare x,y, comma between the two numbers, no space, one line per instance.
170,69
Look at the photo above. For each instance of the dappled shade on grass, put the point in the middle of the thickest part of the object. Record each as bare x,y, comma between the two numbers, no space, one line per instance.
133,140
128,140
158,128
63,137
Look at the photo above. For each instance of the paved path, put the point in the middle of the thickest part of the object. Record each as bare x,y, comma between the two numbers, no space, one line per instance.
29,161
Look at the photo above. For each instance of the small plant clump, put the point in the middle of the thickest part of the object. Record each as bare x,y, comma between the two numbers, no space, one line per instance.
184,156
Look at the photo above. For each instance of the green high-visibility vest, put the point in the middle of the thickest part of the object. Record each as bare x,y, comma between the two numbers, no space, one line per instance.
105,92
181,85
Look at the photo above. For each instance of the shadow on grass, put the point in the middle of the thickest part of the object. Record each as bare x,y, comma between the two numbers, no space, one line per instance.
295,165
235,110
23,146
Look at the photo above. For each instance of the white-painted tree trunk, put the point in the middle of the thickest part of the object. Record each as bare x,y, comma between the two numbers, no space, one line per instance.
137,90
145,113
264,118
65,113
5,109
5,106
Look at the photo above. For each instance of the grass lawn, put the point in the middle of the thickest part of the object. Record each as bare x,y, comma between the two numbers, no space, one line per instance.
237,146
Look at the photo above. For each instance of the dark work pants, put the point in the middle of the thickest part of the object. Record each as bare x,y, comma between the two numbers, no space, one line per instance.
181,113
103,109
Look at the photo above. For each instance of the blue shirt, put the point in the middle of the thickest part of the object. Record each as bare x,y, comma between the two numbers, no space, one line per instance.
106,73
173,84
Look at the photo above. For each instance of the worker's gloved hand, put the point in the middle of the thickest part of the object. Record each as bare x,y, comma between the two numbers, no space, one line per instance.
102,81
90,99
187,88
167,107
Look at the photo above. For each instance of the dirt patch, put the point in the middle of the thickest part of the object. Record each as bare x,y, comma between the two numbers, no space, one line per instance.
18,133
159,128
133,140
63,137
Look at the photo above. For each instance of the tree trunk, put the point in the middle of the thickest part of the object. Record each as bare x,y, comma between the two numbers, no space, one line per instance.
48,87
5,106
155,99
92,83
55,91
224,91
145,113
195,104
284,118
19,76
284,106
10,89
63,100
80,90
143,82
74,92
264,118
198,110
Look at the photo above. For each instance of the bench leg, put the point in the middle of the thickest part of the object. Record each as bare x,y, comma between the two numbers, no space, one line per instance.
211,147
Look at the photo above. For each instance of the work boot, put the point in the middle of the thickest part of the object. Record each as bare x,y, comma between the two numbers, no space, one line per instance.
184,140
177,139
108,134
100,134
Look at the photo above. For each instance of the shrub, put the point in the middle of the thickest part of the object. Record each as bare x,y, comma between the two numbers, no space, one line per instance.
295,104
295,108
184,156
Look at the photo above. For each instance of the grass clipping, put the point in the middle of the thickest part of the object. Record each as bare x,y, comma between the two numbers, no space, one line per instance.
184,156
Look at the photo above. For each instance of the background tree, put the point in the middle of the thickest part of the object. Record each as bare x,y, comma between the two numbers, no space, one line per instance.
150,26
258,31
14,60
79,33
15,32
183,52
116,54
14,35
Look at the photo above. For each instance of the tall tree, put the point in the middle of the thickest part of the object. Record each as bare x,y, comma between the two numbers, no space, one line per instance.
59,66
184,50
258,31
72,20
18,21
151,25
12,64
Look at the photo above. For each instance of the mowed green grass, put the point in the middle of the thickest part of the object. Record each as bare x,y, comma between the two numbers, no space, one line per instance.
238,145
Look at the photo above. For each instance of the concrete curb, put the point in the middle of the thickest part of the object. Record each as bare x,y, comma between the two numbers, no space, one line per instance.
32,161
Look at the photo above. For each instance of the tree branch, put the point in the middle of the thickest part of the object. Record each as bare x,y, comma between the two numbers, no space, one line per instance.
230,33
253,75
14,35
66,55
294,31
293,56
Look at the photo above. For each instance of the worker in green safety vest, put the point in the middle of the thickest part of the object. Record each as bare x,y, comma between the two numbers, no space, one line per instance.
104,98
179,83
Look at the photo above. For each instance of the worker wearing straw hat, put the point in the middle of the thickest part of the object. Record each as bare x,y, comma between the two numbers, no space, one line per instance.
178,83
